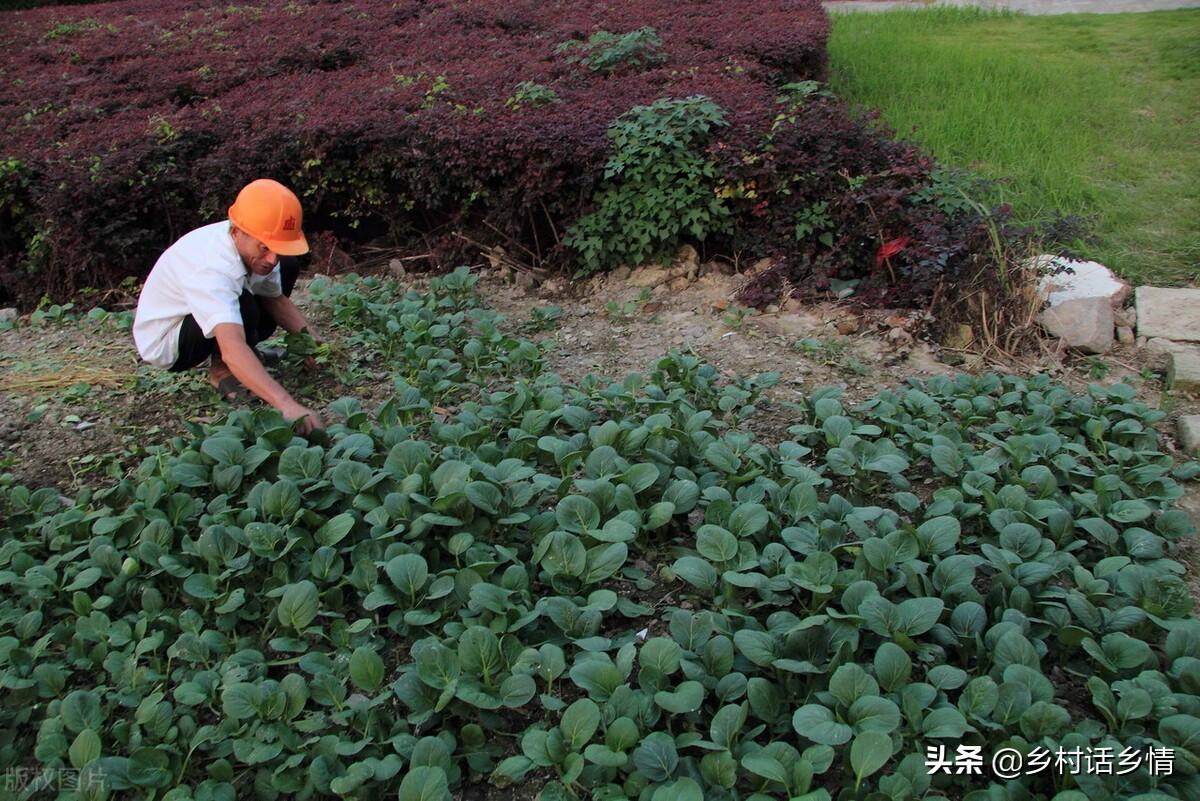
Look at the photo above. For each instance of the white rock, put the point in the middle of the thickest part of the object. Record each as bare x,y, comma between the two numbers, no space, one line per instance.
1168,313
1065,280
1082,323
9,315
1188,428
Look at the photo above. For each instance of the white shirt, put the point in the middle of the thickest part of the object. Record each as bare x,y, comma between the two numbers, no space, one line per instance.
203,275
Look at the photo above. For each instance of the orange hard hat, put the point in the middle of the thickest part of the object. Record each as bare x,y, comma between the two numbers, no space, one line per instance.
270,212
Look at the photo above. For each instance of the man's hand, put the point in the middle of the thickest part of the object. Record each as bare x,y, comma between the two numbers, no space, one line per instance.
309,420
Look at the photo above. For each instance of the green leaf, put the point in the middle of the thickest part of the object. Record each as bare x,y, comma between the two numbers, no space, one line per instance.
684,788
579,722
893,667
716,544
81,710
817,724
660,655
84,749
696,571
240,701
366,668
945,722
869,752
918,615
768,767
577,513
298,606
656,757
687,697
485,496
335,530
873,713
408,573
425,783
748,519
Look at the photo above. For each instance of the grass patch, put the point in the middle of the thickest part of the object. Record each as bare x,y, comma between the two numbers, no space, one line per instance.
1092,115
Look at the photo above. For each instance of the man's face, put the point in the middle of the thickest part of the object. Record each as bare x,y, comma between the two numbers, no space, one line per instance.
258,258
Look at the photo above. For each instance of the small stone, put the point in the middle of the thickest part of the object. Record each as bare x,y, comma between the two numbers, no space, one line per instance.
621,273
526,281
9,315
697,331
1168,313
1125,335
848,325
1183,371
959,337
720,305
1188,429
1083,323
678,284
722,267
396,268
1142,342
772,309
688,258
1125,318
649,275
761,266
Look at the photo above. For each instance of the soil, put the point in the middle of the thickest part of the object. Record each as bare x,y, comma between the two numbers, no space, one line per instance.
77,408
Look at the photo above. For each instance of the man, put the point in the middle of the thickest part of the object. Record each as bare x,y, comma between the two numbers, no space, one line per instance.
222,289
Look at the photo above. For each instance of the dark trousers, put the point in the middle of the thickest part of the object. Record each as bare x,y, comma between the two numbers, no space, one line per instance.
194,348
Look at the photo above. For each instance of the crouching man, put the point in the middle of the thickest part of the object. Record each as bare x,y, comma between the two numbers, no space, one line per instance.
221,290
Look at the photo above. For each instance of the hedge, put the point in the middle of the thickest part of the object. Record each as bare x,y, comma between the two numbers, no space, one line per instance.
591,134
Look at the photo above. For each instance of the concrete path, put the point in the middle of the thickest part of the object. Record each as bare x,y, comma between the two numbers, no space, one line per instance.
1034,7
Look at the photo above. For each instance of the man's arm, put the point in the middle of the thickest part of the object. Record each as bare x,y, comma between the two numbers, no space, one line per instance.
285,313
245,366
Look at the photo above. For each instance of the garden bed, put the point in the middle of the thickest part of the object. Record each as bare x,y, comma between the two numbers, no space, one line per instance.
914,550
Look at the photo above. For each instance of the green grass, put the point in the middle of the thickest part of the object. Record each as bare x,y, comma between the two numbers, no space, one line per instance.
1095,115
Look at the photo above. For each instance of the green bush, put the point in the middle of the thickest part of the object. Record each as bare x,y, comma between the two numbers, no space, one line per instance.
608,52
658,186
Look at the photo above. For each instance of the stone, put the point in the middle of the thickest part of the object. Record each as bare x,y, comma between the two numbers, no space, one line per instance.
9,315
621,273
396,268
1162,347
761,266
848,325
678,284
1183,371
1082,323
1125,318
526,281
687,258
1168,313
1125,335
647,275
772,309
722,267
960,337
1064,280
1188,430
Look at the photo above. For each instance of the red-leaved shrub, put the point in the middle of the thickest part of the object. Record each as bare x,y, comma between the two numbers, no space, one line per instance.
434,123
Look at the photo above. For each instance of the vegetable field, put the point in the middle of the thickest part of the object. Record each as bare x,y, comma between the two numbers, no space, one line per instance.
499,583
